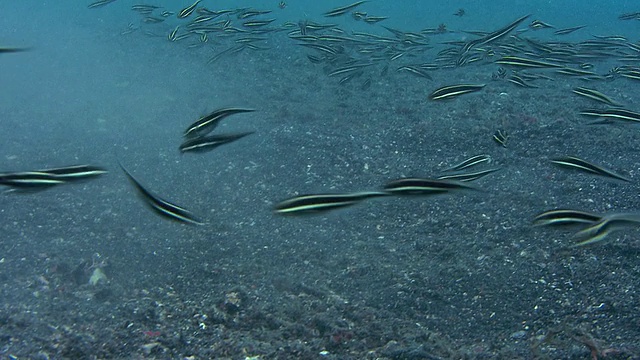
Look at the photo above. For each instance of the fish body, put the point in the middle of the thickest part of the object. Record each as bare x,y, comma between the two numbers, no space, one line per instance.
75,172
343,9
472,161
160,206
29,180
100,3
8,50
565,216
208,143
568,30
184,13
315,203
451,91
525,63
577,163
613,114
424,186
41,179
493,36
415,71
208,122
594,95
467,176
537,24
257,23
609,223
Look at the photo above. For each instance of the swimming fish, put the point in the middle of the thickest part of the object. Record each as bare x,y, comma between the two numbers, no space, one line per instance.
160,206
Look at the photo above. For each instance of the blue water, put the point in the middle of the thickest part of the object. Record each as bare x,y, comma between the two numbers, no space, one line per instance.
469,267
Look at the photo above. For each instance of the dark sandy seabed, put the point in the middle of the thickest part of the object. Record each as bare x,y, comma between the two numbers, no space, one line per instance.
461,276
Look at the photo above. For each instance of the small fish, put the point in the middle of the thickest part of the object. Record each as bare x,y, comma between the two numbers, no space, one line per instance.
460,12
348,69
385,70
568,30
594,95
491,37
309,204
130,28
537,24
321,48
249,40
219,55
257,23
208,122
100,3
160,206
630,16
397,56
526,63
188,10
144,9
423,186
152,20
415,71
500,74
358,15
576,72
613,114
76,172
601,229
251,13
200,20
515,79
350,77
577,163
564,217
208,143
501,137
342,10
452,91
172,34
374,19
467,176
630,74
366,84
7,50
29,180
472,161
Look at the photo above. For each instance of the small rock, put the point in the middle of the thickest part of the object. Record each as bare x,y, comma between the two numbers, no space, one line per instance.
148,348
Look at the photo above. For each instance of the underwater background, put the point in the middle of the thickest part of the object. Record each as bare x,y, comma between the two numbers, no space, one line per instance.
454,268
